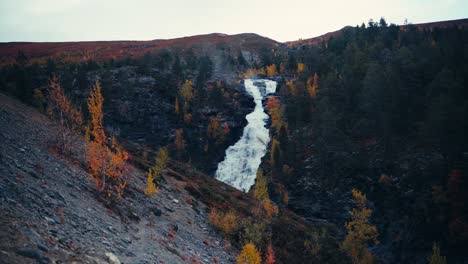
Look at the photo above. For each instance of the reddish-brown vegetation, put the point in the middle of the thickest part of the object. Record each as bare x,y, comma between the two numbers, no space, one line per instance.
69,117
106,50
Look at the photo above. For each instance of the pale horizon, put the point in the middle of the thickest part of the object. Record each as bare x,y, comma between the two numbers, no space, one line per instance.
102,20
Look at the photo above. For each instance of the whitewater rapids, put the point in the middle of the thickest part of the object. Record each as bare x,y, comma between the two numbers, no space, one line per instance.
242,159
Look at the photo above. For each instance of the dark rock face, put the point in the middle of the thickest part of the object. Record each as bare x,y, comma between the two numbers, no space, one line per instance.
139,109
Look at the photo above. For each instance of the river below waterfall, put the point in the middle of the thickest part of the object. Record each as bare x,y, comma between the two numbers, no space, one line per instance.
242,159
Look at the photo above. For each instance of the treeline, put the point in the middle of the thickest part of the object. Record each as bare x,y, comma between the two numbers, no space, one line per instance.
380,81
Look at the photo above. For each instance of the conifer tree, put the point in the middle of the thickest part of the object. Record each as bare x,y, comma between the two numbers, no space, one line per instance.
215,131
155,171
106,164
273,106
300,67
271,70
186,91
179,140
360,232
312,84
249,255
436,258
261,186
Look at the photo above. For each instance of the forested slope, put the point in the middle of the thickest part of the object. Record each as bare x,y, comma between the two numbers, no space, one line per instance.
385,113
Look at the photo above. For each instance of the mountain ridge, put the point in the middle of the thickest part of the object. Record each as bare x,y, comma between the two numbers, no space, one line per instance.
317,40
120,49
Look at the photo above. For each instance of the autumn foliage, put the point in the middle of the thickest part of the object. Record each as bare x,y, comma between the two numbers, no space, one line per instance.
155,171
216,131
179,140
436,258
360,232
249,255
106,164
261,186
291,88
270,209
69,117
225,222
312,84
271,70
151,187
251,73
270,256
186,92
273,106
300,67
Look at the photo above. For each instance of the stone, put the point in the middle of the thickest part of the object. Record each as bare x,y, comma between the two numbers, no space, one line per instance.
112,258
157,211
50,221
42,247
168,209
34,254
29,253
54,232
126,240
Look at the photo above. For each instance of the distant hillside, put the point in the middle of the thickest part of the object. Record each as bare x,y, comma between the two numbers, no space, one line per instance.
314,40
102,50
325,37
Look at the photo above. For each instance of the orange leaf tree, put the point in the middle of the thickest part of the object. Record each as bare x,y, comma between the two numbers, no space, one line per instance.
227,223
300,67
312,84
106,164
270,256
216,131
273,106
271,70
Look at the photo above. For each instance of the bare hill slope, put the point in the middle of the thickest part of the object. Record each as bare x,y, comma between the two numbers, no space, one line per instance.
51,213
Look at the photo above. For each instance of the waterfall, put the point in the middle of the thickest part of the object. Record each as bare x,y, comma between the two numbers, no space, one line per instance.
242,159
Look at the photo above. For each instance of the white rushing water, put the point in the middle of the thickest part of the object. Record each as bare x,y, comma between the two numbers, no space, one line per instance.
242,159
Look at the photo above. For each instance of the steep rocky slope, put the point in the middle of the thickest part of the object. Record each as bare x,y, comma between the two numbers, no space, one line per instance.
51,214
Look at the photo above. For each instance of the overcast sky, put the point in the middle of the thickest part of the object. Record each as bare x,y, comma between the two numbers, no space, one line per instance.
71,20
